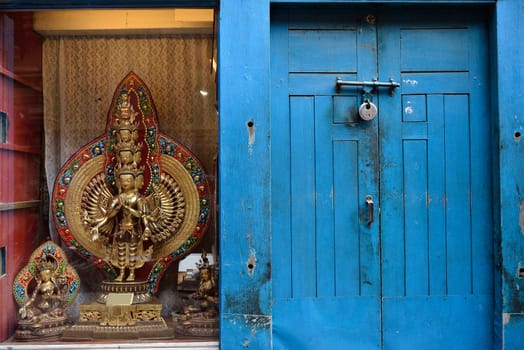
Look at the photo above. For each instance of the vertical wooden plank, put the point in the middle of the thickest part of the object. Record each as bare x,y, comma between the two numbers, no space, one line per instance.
347,240
391,183
303,195
416,216
436,196
458,193
325,174
481,161
244,163
509,29
368,170
280,163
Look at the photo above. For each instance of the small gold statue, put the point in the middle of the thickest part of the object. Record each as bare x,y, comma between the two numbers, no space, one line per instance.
44,289
200,315
207,292
47,288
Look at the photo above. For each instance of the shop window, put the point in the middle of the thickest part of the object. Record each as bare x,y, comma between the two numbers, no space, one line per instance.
95,98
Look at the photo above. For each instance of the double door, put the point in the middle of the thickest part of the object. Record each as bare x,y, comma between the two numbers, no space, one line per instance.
381,228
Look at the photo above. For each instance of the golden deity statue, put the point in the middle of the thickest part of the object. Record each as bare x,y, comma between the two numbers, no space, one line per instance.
131,202
199,316
124,219
44,289
48,291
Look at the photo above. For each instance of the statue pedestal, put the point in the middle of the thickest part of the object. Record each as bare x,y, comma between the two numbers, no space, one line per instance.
128,311
47,329
139,290
198,326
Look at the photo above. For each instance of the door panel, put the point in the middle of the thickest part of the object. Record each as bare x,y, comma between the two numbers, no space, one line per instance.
421,274
453,322
327,283
311,49
435,185
307,323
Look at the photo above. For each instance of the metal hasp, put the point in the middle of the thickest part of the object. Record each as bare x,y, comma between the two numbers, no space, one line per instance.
392,85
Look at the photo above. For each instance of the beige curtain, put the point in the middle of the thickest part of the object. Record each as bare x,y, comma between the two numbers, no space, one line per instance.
81,74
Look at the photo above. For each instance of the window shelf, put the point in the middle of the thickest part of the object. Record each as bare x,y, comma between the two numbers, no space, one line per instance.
19,79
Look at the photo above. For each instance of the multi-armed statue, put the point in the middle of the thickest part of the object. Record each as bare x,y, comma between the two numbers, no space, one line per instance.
122,222
131,202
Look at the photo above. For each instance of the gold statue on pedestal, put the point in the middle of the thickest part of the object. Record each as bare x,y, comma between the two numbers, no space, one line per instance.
131,202
49,291
44,289
200,315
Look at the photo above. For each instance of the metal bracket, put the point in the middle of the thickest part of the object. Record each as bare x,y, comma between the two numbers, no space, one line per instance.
367,94
368,85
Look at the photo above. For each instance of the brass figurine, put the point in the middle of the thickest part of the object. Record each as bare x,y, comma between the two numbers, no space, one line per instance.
200,315
131,202
44,289
124,219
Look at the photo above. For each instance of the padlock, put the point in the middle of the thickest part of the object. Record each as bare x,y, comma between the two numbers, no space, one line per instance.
367,110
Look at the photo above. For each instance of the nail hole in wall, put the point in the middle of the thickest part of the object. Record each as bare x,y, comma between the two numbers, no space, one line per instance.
251,264
251,132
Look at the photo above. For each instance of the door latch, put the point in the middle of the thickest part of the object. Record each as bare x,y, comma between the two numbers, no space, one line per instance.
370,204
391,84
368,110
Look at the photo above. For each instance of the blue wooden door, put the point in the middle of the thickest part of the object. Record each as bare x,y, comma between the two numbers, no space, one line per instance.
326,260
420,274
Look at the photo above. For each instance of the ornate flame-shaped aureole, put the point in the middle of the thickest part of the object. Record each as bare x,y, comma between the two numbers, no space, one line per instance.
173,179
61,268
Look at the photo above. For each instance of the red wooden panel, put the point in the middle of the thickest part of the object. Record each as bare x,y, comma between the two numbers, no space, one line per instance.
19,176
25,124
20,156
19,234
28,49
23,106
